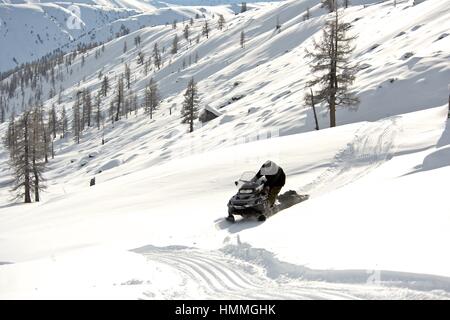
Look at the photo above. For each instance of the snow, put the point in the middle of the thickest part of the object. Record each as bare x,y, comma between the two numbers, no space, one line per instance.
375,226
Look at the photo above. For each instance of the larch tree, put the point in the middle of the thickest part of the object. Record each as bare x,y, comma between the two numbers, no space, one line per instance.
77,121
127,74
105,86
38,149
119,97
98,113
331,65
151,98
64,122
174,45
156,56
186,32
87,107
221,22
20,158
189,111
205,29
53,121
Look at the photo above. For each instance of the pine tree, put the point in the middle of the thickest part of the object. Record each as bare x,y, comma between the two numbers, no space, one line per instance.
191,21
189,112
125,47
331,65
242,41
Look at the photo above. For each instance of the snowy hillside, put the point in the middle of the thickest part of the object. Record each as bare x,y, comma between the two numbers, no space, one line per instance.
376,225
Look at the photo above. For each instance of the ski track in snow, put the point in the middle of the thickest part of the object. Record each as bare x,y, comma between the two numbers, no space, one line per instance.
218,275
373,145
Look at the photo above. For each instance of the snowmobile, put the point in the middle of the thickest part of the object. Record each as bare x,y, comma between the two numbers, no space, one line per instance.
251,200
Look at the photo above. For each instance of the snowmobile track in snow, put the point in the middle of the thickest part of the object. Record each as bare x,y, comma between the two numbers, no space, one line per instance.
221,278
219,275
373,145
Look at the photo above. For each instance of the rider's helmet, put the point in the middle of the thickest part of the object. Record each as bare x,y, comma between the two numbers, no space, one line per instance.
269,168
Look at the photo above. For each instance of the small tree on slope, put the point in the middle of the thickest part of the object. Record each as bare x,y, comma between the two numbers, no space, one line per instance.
189,112
151,98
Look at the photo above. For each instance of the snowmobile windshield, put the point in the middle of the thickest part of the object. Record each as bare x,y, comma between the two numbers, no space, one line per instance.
247,176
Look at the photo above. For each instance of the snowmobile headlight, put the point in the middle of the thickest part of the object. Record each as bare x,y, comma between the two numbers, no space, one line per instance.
246,191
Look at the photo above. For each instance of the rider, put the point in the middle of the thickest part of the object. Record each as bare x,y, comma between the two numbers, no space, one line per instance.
275,179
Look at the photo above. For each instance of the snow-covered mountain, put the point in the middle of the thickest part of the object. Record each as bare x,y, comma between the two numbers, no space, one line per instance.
376,225
31,30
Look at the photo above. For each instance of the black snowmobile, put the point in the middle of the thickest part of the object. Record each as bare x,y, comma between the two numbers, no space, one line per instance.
251,200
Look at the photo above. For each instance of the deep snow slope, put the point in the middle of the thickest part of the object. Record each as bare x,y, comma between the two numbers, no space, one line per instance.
376,234
152,227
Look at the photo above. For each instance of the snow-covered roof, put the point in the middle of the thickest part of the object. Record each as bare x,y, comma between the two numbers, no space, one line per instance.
213,110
